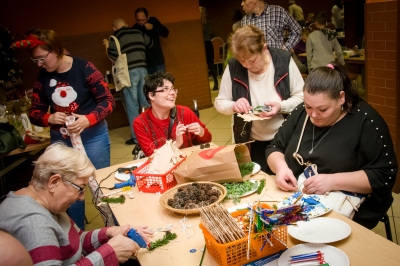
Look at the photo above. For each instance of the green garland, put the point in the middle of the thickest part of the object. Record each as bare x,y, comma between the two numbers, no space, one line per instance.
163,241
120,199
261,186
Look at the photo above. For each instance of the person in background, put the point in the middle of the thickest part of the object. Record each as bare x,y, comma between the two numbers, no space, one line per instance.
310,19
297,13
70,86
36,216
272,21
345,137
207,35
12,252
258,75
300,48
328,25
133,43
153,28
236,19
164,120
321,43
338,15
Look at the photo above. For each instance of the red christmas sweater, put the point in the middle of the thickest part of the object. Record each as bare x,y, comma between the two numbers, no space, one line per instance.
81,90
151,132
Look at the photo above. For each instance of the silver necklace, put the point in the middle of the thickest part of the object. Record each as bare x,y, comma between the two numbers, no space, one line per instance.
312,144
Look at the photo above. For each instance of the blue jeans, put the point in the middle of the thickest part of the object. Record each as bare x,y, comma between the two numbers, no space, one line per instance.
156,68
133,96
97,145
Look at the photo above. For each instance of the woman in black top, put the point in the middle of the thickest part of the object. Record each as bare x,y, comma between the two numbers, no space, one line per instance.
345,137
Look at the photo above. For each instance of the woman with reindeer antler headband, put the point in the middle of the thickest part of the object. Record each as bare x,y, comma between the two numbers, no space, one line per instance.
69,86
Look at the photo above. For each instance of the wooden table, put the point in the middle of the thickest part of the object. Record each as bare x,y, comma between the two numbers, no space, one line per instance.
363,247
30,150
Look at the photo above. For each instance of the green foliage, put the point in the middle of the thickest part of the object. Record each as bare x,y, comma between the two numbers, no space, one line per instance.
163,241
246,168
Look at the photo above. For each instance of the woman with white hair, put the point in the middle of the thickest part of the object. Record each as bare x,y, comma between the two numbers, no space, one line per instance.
36,215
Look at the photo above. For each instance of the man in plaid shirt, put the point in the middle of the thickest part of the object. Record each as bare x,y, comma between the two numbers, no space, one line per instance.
272,20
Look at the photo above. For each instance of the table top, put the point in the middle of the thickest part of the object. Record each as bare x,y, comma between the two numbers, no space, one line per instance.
29,148
347,58
363,247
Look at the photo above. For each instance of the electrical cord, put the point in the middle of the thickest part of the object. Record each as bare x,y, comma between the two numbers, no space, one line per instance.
96,197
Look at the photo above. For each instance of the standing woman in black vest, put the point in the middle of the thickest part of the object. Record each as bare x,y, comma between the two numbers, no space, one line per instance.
258,76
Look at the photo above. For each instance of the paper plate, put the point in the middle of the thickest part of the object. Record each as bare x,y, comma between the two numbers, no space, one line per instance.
332,255
324,206
125,177
320,230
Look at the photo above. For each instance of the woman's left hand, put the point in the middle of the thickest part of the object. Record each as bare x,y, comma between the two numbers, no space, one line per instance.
195,128
80,124
275,109
317,184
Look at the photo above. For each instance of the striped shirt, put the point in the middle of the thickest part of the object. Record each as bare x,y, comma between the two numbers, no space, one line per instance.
133,43
53,239
272,21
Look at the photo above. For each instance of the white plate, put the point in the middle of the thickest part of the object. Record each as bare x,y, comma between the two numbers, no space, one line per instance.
256,168
320,230
332,255
313,211
125,177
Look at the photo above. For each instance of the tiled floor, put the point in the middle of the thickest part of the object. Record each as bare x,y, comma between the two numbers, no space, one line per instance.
220,127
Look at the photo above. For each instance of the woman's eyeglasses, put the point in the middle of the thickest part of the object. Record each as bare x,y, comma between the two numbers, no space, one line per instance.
81,189
166,89
41,60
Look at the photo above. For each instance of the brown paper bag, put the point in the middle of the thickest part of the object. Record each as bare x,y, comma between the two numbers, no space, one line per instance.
217,165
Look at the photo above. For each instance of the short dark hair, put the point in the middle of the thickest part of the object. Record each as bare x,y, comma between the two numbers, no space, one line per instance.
153,81
331,82
142,9
321,18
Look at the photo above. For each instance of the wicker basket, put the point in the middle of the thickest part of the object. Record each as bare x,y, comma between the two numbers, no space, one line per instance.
171,192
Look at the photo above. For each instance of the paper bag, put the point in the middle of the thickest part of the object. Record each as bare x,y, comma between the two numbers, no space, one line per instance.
218,164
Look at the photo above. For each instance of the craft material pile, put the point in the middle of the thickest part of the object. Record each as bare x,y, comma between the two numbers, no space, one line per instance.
220,224
194,196
313,205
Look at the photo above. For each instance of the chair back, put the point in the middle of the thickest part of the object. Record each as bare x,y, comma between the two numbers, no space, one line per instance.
219,50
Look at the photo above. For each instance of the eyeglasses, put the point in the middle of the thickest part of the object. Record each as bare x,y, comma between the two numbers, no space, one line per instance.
81,189
166,89
41,60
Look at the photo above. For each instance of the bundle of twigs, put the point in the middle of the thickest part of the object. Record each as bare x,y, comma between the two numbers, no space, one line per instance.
217,220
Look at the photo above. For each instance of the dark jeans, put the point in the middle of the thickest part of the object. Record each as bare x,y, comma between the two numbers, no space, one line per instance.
257,153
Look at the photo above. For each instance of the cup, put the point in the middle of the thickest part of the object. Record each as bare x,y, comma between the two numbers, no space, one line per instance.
15,120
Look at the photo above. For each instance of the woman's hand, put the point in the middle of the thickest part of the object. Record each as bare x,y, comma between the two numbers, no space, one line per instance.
317,184
79,125
58,118
275,109
144,232
180,130
285,179
241,106
196,129
123,246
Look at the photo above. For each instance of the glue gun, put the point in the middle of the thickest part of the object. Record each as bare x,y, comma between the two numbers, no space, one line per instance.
132,234
131,182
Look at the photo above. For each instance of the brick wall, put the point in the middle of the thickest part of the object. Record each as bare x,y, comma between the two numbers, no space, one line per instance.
381,72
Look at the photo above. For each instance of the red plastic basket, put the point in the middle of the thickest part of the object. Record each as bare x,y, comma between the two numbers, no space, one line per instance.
235,253
153,183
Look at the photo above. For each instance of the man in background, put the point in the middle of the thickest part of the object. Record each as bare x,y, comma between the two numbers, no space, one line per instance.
133,43
297,13
153,28
273,21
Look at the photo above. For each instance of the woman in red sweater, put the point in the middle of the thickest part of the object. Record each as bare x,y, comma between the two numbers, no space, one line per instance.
164,120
